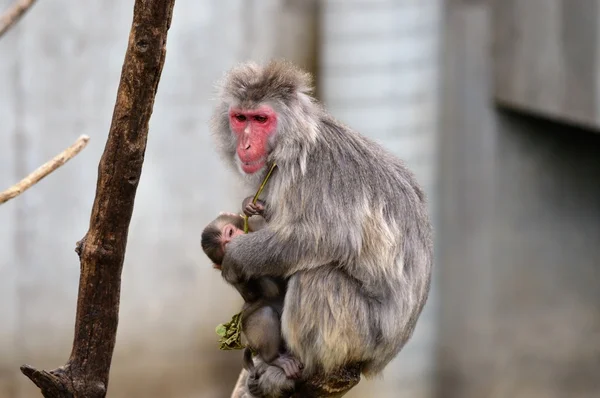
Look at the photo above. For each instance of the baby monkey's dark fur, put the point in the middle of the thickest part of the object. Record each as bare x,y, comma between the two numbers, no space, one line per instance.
263,298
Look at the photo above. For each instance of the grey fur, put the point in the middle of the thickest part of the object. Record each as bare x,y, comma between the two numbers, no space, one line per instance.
268,382
347,222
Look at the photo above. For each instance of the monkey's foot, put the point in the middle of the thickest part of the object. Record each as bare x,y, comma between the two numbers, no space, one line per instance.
290,365
254,386
253,381
269,381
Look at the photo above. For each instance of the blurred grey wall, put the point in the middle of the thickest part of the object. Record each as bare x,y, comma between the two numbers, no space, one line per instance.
379,74
519,226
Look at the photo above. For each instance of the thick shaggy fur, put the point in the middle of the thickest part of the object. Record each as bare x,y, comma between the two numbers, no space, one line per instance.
348,223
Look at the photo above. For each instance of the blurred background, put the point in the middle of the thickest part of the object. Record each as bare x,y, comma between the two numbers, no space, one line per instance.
495,104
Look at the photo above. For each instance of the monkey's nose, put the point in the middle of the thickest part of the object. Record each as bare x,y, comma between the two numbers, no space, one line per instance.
247,147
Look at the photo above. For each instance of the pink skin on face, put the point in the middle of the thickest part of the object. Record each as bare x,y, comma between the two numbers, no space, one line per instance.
253,127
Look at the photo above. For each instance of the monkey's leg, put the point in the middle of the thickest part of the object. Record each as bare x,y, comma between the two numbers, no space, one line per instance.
263,332
270,377
327,320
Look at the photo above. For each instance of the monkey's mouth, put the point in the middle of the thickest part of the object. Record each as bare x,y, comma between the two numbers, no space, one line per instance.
253,166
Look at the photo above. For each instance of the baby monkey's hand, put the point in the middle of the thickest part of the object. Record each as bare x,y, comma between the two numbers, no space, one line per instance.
253,209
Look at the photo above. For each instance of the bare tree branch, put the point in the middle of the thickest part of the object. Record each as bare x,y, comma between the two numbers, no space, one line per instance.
44,170
239,390
102,249
13,14
335,385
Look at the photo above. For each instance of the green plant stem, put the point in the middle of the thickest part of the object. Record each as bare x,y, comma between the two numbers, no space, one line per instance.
260,189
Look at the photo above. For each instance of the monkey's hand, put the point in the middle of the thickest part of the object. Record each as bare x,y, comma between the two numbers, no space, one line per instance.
290,365
252,255
253,209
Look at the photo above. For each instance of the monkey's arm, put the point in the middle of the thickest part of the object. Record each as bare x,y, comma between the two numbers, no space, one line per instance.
266,253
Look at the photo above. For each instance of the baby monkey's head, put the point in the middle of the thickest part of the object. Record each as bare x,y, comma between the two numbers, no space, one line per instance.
218,234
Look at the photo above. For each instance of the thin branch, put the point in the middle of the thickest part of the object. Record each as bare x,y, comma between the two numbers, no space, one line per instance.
333,385
13,14
102,249
44,170
239,391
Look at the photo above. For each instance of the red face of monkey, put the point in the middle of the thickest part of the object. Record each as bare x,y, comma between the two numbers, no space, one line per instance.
253,127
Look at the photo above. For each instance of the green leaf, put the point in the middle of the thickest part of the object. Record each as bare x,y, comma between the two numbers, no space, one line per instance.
221,330
230,334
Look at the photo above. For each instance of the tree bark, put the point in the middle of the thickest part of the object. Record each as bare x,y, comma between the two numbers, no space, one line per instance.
102,249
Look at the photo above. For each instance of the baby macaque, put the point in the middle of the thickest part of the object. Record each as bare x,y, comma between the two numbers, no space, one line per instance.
263,296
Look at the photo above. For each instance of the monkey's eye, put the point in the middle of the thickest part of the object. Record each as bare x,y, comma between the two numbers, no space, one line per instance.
260,119
240,118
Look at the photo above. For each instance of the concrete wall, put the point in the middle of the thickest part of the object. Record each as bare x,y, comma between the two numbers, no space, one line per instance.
380,75
546,57
518,236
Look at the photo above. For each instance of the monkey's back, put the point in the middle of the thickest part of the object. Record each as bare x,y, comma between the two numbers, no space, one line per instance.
359,202
367,215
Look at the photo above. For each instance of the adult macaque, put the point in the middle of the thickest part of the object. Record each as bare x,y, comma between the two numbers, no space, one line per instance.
347,223
263,297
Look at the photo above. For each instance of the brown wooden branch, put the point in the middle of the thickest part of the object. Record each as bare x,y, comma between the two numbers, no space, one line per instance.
102,249
10,17
44,170
331,386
